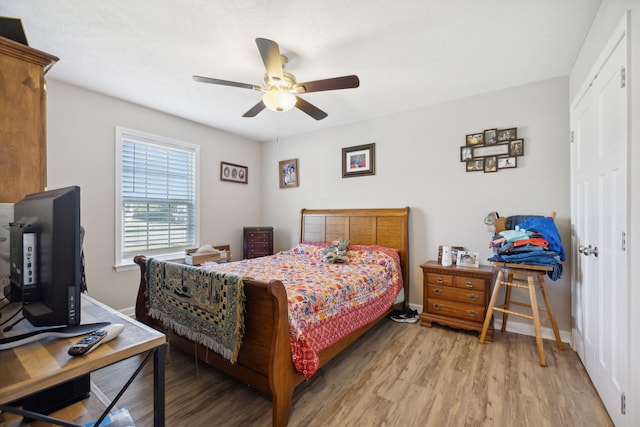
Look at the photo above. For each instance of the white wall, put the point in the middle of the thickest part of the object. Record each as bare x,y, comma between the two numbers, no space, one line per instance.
81,151
605,22
417,165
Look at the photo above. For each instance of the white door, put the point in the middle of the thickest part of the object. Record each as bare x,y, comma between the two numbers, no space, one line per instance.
599,224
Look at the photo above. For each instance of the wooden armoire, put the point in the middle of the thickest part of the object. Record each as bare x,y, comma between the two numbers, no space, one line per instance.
23,127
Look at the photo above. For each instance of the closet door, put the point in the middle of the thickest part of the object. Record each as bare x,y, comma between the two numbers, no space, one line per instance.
599,224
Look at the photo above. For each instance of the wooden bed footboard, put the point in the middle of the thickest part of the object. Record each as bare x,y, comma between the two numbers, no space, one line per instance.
264,360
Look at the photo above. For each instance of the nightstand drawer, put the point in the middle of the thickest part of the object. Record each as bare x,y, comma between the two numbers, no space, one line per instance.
440,279
456,295
461,311
468,283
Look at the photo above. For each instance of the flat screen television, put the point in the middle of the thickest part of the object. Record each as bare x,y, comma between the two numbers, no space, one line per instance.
45,257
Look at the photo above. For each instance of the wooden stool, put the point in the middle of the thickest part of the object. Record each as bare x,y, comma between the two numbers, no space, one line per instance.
522,276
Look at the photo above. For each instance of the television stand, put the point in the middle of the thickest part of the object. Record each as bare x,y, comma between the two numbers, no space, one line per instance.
37,366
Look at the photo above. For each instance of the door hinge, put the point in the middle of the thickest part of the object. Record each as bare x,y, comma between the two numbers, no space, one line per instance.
623,404
571,137
623,77
624,241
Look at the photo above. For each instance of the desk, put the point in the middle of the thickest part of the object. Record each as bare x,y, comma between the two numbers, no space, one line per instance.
39,365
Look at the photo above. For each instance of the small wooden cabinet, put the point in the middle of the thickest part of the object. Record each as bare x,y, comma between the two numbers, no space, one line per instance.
257,242
456,296
23,149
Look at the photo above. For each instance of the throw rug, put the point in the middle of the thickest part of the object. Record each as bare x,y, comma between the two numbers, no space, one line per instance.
204,306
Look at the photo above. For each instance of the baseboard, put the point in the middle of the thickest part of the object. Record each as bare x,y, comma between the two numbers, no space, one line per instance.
523,328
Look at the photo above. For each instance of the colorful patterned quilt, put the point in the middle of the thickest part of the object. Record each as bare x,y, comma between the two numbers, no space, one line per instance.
326,301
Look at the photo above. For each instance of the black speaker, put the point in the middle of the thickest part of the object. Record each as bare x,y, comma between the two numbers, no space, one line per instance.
59,396
11,28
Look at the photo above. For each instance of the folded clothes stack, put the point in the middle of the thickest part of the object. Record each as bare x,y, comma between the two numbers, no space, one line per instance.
534,241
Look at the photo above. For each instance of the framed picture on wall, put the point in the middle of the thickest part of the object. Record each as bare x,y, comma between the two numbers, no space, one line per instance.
491,164
466,153
507,134
507,162
475,165
234,173
475,138
516,147
288,173
359,160
491,136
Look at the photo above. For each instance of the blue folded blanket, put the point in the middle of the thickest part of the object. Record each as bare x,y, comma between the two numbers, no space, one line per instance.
545,258
547,228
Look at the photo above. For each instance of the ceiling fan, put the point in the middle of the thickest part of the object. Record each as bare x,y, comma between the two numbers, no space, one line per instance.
280,90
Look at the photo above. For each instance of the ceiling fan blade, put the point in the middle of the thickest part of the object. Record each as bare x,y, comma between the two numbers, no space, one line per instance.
270,52
254,110
224,82
344,82
310,109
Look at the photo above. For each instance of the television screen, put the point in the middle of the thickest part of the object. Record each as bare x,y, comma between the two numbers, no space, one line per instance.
46,255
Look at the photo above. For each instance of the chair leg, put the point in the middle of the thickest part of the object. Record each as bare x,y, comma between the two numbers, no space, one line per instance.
536,319
552,317
492,303
507,302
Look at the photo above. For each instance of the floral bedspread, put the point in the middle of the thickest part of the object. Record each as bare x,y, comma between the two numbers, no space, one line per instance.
326,301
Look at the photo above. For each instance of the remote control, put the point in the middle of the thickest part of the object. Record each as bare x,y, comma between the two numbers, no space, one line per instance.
94,339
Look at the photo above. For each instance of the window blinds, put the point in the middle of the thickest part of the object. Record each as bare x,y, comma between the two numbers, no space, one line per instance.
158,196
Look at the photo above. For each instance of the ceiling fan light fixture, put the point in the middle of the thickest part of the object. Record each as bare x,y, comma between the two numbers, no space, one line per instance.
279,100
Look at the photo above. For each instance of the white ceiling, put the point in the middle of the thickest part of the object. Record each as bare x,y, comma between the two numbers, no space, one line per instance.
407,53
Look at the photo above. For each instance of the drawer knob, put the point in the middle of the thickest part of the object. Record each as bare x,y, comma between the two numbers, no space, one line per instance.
437,291
473,297
439,280
437,306
468,284
472,313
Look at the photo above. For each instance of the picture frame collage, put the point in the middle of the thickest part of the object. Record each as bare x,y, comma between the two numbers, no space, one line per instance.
492,150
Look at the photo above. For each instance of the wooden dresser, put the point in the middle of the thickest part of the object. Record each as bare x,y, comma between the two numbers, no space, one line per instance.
456,296
23,149
257,242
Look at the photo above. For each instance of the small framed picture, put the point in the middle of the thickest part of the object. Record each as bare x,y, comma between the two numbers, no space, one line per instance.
507,162
288,172
475,139
359,160
454,253
468,259
466,153
491,164
491,136
507,134
475,165
491,150
516,148
234,173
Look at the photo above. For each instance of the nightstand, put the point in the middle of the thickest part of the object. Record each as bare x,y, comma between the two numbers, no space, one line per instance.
456,296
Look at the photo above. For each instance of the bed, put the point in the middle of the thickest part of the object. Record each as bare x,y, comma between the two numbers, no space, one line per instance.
264,360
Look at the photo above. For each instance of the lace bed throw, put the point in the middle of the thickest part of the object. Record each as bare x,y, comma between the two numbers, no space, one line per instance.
204,306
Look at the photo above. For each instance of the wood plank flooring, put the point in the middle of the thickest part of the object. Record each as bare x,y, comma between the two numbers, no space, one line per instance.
395,375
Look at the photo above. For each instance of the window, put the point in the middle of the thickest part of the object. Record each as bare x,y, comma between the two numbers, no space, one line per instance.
156,196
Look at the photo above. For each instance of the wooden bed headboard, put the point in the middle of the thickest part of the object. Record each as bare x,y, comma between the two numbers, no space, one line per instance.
385,227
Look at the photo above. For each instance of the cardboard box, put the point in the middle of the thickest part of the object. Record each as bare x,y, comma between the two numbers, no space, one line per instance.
213,254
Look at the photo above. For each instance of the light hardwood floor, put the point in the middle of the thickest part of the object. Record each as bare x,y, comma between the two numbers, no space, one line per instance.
395,375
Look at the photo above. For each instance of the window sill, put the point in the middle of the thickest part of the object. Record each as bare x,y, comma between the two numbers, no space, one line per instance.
128,264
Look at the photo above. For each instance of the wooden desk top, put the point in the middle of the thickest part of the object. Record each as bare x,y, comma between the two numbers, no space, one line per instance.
41,364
